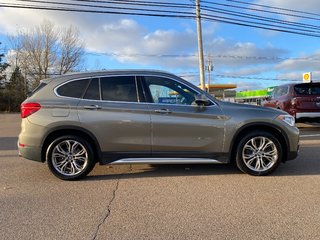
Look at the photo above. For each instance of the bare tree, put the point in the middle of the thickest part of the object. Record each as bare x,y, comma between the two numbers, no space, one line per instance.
71,50
45,50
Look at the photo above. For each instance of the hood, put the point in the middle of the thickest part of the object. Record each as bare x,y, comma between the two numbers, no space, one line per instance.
247,107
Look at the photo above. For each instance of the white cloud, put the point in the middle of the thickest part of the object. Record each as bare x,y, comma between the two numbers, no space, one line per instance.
302,63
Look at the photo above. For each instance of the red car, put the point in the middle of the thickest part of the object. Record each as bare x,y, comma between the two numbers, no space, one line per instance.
301,100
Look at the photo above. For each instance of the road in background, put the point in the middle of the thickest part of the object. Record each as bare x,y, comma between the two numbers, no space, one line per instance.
159,202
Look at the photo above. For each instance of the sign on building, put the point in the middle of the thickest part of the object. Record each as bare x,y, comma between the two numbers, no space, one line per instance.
307,77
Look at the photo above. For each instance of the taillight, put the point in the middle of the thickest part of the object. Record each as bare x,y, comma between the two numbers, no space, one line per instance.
29,108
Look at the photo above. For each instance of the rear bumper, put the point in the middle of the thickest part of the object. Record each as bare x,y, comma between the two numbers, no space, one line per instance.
31,153
292,155
307,115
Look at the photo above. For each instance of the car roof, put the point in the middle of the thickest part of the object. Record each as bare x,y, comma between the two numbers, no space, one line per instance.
76,75
299,84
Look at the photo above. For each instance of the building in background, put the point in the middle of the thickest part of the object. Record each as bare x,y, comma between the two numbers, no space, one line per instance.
254,97
225,92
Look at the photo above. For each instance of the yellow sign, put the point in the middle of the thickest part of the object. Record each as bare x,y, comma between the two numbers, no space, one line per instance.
307,77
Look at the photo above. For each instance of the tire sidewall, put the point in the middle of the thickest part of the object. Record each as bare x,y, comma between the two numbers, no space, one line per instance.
88,148
239,161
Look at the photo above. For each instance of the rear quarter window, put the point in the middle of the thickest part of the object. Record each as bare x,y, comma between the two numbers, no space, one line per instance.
74,89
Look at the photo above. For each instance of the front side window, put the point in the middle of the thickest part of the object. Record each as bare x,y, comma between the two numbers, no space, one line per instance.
74,89
168,91
280,91
119,88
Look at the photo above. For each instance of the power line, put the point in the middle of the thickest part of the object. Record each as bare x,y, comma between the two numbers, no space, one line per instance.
98,6
142,3
235,57
35,7
165,13
216,10
255,78
157,10
242,77
257,17
261,10
260,26
277,8
264,24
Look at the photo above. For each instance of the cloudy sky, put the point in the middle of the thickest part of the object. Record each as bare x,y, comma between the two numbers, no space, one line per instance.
252,58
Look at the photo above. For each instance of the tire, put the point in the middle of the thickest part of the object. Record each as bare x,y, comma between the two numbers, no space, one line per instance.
70,157
259,153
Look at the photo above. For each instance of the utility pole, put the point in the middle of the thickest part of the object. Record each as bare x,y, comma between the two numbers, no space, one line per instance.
200,46
209,68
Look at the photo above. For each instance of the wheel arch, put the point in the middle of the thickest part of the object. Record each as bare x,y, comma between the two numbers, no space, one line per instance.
267,127
71,130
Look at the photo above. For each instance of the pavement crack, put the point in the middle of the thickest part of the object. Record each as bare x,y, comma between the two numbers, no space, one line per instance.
108,212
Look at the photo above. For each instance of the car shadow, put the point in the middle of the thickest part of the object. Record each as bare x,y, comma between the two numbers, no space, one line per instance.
307,163
8,143
163,170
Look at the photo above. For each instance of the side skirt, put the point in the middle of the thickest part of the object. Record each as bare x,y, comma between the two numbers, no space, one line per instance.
164,158
166,161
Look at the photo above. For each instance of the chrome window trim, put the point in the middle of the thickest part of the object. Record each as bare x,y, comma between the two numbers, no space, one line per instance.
126,75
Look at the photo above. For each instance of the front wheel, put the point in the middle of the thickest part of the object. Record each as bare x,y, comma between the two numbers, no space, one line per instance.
259,153
70,157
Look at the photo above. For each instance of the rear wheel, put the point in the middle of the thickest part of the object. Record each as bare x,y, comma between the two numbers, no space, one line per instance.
259,153
70,157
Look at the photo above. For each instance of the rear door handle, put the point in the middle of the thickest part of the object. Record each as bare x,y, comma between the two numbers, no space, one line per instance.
162,111
92,107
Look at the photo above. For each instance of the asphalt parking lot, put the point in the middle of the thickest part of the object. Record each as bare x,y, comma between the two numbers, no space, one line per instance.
159,202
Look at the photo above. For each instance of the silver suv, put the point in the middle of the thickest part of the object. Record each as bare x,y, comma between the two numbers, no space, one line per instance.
125,117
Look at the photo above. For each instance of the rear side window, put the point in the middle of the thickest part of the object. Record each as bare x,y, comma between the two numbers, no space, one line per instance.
74,89
120,88
307,89
93,92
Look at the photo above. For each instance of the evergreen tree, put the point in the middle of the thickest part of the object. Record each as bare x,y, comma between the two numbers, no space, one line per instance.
3,99
16,90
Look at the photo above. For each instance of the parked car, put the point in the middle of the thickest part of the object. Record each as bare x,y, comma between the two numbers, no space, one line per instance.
125,117
301,100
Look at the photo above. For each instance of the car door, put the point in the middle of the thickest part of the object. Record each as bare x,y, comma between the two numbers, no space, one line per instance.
113,109
179,127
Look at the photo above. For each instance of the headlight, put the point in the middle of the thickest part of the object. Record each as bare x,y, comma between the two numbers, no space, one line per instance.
287,119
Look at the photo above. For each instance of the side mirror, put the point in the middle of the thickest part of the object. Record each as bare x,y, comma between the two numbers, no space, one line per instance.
202,100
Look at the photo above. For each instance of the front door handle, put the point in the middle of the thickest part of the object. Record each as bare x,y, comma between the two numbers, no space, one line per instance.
92,107
163,111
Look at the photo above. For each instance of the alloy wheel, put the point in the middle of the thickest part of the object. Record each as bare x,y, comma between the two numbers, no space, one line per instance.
69,157
260,154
